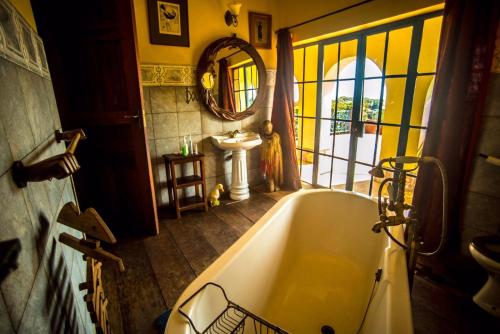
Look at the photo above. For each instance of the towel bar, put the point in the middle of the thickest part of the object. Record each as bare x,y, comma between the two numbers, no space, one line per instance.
58,166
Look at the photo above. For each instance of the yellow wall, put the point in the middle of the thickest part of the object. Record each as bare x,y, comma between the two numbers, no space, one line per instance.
206,24
296,11
24,7
424,84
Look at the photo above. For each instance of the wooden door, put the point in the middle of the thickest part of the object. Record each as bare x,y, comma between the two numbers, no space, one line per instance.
91,50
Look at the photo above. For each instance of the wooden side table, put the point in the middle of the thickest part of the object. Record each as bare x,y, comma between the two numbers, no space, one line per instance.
175,183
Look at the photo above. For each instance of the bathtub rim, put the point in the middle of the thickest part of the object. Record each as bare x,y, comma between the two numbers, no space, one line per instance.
392,253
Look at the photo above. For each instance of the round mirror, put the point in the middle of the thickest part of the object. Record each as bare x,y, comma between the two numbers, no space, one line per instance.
231,78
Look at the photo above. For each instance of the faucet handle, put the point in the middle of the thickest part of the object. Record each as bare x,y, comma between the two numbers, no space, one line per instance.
384,204
390,190
233,133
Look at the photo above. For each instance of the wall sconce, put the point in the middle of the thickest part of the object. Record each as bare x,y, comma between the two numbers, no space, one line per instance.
231,15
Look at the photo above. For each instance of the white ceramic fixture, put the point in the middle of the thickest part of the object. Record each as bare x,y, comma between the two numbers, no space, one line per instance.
239,144
486,251
309,262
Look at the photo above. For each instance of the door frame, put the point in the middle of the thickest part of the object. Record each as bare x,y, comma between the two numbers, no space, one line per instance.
417,22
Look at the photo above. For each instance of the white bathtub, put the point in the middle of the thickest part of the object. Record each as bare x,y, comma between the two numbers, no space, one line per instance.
311,261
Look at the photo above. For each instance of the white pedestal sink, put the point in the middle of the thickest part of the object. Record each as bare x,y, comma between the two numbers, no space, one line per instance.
239,144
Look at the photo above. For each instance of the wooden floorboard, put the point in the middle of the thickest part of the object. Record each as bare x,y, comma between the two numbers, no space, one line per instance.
111,289
255,207
171,269
233,218
192,243
140,296
438,308
218,234
264,201
277,195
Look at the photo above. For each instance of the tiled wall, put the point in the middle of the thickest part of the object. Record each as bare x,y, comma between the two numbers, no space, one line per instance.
482,210
482,214
169,117
42,295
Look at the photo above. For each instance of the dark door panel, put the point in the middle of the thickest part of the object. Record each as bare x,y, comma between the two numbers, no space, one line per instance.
93,62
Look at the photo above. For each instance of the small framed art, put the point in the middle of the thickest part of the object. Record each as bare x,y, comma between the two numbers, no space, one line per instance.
168,22
260,30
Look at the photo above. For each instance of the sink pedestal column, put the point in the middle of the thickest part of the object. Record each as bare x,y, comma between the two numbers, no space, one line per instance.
239,184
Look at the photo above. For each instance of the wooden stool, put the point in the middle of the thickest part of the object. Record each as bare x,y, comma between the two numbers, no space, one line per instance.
175,183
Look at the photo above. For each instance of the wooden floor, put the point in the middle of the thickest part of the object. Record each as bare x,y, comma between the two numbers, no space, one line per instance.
159,268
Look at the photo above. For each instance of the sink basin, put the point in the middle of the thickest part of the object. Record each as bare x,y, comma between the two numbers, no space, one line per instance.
242,141
239,145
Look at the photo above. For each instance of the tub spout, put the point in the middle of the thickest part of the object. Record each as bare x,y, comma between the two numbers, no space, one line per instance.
377,227
389,221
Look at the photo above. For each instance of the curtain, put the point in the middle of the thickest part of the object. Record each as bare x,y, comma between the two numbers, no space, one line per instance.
282,112
464,62
226,91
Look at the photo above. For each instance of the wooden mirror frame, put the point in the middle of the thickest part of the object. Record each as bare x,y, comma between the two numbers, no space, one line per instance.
209,57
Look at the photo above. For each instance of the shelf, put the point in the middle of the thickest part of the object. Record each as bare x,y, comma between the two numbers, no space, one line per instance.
195,180
191,202
179,159
187,181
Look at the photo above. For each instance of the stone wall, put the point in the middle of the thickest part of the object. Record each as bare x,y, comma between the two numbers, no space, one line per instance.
169,117
41,295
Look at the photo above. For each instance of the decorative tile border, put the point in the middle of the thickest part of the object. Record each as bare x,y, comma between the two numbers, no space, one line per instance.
19,43
179,75
168,75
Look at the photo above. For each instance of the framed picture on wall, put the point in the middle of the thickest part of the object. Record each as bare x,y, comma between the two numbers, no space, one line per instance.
168,22
260,30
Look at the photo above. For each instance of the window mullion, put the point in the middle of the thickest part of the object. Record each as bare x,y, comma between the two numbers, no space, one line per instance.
317,130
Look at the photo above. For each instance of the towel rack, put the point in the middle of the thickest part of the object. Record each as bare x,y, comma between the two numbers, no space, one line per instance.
73,136
95,229
58,166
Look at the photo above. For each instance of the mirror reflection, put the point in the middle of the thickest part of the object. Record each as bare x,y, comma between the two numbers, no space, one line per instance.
232,79
207,80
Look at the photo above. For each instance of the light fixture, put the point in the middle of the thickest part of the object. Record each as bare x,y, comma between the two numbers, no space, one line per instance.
231,15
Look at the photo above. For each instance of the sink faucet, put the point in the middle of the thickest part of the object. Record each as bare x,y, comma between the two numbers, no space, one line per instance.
233,134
